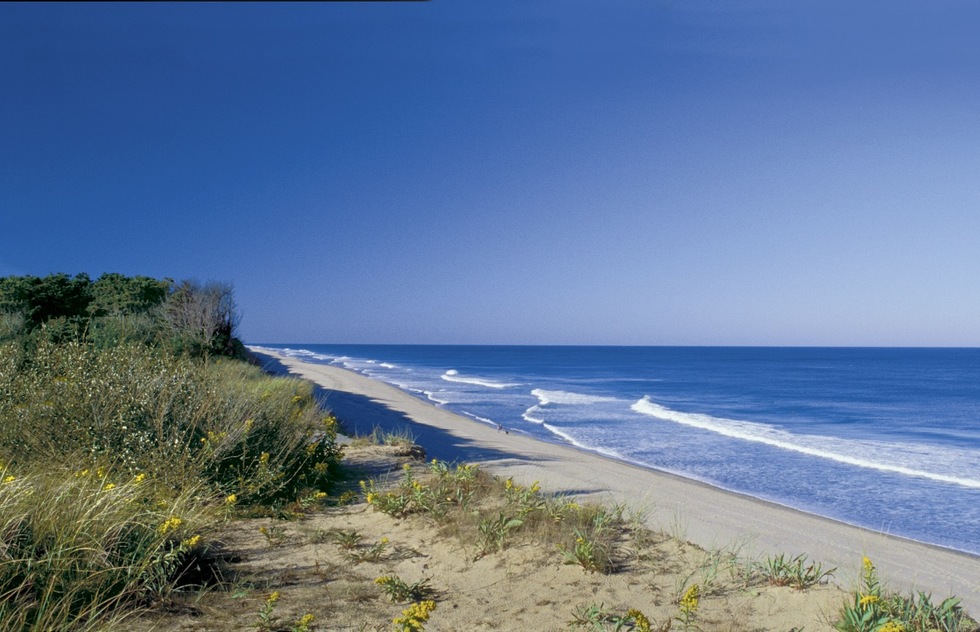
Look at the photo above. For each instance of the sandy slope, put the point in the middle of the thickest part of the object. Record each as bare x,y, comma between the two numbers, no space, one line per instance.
702,514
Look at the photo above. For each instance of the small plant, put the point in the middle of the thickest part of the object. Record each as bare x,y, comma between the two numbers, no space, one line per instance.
372,553
688,607
871,610
795,572
414,617
303,623
347,539
347,498
398,590
558,508
597,618
493,533
394,504
266,617
274,535
583,552
527,499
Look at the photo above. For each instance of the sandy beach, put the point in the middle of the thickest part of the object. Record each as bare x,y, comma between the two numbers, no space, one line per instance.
699,513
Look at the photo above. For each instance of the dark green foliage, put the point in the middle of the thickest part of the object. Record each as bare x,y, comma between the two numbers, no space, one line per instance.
39,300
188,317
115,294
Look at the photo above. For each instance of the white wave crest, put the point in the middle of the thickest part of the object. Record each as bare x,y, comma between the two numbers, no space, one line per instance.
452,375
813,445
568,399
585,446
529,415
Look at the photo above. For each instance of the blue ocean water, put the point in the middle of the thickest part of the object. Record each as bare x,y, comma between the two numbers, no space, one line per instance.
887,439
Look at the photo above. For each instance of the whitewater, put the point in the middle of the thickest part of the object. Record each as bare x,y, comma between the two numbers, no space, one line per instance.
887,439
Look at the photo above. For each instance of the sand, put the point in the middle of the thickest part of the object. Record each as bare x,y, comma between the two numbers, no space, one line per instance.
701,514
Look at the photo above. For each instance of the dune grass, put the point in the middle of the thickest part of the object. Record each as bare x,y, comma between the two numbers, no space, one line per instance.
119,462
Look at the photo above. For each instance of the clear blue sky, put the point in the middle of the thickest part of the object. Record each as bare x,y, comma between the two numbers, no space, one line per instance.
688,172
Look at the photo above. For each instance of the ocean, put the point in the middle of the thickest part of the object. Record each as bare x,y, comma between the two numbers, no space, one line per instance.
887,439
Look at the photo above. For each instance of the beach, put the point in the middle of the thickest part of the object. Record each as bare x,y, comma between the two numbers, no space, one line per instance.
699,513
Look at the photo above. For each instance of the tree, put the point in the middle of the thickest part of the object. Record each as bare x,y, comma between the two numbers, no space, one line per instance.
207,314
115,294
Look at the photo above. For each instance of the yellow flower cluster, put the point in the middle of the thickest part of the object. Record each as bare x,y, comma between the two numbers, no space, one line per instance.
320,495
691,599
109,486
170,524
414,617
191,542
10,479
231,499
868,599
892,626
642,623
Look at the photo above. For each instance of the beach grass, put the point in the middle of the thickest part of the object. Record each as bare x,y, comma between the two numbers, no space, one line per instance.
119,464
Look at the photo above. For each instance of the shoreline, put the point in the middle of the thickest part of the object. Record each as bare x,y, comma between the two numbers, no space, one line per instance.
693,510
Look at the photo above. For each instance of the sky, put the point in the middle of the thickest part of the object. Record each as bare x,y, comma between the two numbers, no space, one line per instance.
510,172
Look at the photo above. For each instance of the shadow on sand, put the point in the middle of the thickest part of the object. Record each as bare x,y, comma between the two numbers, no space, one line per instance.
361,415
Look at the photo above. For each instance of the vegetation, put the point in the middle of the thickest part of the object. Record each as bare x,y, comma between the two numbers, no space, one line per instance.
873,609
186,317
126,439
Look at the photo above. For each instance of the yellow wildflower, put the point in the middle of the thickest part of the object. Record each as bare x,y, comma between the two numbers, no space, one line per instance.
264,458
231,499
320,468
384,540
415,615
868,599
10,479
139,478
868,566
82,473
109,486
690,600
191,542
320,495
642,623
892,626
170,524
273,598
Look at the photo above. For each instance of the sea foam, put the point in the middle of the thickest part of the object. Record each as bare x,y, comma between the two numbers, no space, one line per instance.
843,451
452,375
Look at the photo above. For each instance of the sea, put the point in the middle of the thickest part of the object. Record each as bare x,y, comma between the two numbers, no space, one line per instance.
883,438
